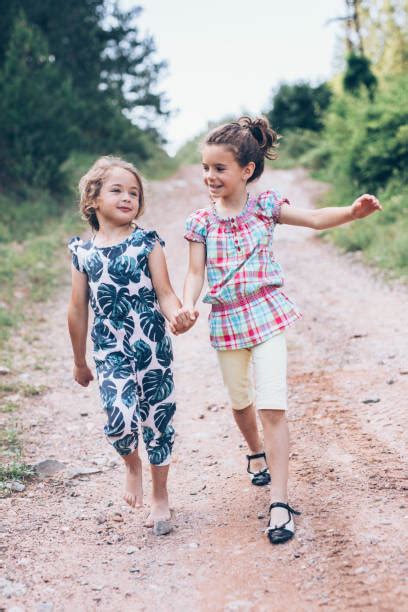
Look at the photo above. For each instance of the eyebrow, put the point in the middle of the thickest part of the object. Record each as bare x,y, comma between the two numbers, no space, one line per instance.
120,185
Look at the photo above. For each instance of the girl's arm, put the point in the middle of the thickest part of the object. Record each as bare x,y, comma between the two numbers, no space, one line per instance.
195,277
78,326
168,300
324,218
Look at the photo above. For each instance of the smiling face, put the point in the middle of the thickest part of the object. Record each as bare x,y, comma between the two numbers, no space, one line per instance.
119,198
223,176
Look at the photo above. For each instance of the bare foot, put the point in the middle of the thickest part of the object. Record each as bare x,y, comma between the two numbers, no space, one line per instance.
133,494
159,517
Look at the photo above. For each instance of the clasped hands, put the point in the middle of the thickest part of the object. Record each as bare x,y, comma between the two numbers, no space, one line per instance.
183,320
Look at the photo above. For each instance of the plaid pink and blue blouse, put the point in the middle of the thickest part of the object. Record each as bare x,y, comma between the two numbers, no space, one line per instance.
244,279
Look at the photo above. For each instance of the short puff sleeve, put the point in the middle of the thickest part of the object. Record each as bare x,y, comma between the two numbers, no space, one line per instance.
74,246
195,227
150,239
270,203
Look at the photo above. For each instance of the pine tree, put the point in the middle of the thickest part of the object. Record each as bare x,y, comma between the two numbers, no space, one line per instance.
36,110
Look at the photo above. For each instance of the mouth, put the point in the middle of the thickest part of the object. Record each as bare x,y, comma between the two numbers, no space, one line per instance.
125,209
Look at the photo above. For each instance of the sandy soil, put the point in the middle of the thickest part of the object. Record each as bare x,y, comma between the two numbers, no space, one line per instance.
69,543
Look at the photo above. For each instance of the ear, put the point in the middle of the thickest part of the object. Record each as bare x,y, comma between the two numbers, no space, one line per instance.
248,170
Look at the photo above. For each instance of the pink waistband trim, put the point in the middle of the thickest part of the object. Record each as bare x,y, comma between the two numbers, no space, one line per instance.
262,292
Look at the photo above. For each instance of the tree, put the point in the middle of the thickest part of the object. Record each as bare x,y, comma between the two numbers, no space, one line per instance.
37,107
359,74
299,105
113,69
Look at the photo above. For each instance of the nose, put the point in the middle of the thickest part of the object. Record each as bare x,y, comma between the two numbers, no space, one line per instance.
126,197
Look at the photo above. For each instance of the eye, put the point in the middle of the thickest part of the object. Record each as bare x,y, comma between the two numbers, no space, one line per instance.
134,194
115,190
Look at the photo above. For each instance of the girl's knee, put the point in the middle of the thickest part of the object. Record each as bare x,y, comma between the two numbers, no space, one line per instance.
272,417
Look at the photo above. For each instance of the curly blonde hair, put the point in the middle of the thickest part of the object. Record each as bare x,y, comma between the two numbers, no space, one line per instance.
91,184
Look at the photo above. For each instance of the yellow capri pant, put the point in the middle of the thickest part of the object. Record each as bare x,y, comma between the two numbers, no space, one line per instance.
269,373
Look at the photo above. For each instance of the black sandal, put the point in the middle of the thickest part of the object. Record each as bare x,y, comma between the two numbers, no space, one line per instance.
262,478
283,533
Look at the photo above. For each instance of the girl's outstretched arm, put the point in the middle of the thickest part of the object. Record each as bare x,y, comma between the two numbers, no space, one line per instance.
78,326
324,218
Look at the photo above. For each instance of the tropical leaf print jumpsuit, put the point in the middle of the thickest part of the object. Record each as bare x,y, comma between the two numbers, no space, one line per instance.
131,348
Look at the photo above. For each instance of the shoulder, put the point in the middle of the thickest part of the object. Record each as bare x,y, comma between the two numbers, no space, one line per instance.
78,249
269,203
147,238
196,225
268,198
76,243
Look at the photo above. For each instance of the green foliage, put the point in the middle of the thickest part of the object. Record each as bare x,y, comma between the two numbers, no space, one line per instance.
369,141
299,106
383,238
36,111
83,79
15,471
359,74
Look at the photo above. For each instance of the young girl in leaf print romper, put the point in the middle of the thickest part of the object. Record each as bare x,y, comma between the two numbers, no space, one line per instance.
233,239
122,272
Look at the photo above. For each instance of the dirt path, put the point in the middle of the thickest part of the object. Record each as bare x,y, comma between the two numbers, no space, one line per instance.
69,542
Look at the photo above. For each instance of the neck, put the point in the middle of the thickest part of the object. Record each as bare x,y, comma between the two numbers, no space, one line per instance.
232,205
112,233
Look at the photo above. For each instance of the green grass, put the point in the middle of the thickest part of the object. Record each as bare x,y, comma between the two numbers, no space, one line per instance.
8,406
16,471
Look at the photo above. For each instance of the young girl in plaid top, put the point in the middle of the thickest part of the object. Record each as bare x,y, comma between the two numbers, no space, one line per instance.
233,238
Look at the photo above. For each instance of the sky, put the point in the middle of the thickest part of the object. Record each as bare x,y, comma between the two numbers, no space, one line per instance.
227,56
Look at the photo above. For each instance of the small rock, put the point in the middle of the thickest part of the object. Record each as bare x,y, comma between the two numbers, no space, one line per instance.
117,517
44,607
403,372
371,400
4,371
97,587
82,471
48,467
361,570
131,550
15,485
193,545
12,589
84,414
134,570
391,381
261,515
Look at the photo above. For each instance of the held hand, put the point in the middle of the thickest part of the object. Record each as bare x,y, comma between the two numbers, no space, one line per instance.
83,375
183,320
364,205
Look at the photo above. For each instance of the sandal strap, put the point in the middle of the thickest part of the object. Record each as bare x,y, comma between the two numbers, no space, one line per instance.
255,456
285,506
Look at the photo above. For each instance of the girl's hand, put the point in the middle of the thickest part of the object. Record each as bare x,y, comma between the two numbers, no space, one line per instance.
183,320
364,205
83,375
